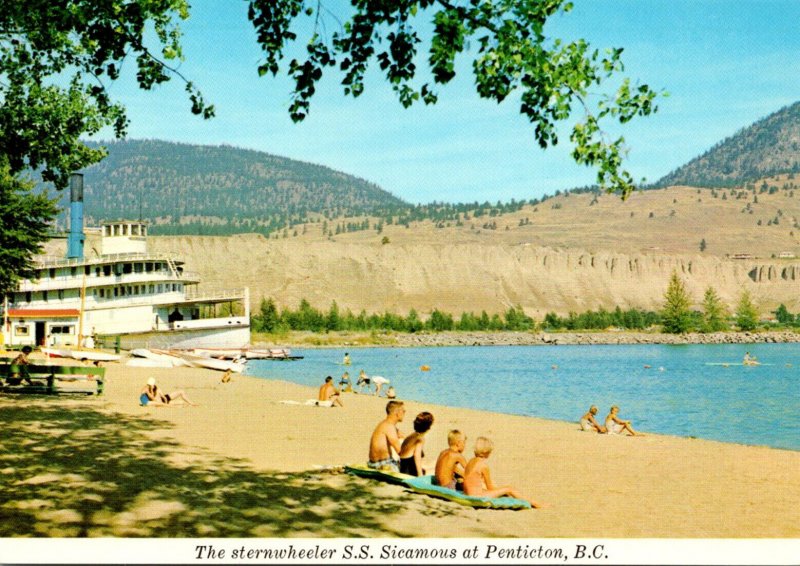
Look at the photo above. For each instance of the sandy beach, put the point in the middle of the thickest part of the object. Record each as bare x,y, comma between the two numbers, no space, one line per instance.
243,464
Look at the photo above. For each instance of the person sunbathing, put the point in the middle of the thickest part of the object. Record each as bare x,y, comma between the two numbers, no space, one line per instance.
411,451
615,425
450,464
386,438
150,395
329,394
588,422
478,480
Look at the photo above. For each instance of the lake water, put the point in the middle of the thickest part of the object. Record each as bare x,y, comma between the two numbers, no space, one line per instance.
682,393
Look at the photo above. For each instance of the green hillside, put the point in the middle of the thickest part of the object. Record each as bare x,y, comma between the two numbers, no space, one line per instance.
183,188
767,148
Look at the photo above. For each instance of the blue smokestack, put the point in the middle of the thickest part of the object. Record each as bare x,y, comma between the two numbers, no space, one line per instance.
75,241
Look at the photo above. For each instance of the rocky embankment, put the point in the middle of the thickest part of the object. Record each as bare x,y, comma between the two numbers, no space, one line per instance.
546,338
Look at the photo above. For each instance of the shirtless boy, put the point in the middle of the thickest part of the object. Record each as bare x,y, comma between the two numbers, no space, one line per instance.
386,438
588,422
451,462
327,392
478,481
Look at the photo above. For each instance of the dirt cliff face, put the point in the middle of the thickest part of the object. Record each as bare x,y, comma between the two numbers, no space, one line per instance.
458,277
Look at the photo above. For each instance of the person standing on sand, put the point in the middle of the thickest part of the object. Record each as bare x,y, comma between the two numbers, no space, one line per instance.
386,438
412,451
345,383
478,481
327,392
588,422
363,381
451,463
379,382
615,425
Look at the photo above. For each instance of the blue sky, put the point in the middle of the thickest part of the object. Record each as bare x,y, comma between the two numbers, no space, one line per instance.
724,63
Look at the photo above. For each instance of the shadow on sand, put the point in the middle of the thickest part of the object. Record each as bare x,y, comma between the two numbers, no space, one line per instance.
70,469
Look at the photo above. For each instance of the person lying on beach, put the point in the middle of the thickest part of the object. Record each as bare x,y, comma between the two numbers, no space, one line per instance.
226,377
386,438
451,462
412,450
150,395
379,382
615,425
21,360
589,424
327,392
478,480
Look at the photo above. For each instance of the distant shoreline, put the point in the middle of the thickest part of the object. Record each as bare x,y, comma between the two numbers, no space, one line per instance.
402,340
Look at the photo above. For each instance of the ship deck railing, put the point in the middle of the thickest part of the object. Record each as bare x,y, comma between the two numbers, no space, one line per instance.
46,261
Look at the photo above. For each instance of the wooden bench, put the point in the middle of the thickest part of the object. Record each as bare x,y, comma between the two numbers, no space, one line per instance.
47,379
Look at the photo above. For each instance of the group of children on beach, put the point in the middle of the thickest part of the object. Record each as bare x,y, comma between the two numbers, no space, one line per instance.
452,469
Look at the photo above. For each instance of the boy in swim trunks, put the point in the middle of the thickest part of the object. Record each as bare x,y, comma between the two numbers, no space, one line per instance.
451,462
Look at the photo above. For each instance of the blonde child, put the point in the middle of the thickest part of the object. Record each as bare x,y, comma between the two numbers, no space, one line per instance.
451,462
478,481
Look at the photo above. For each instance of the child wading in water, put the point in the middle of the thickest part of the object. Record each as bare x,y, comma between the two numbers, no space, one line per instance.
477,480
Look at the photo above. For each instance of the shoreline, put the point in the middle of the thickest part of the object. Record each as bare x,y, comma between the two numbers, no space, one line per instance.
298,339
246,464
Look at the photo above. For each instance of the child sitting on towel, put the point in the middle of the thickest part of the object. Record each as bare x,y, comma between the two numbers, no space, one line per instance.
477,480
451,462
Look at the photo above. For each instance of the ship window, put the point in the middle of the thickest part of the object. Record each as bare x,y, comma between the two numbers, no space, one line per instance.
135,230
130,290
52,273
116,291
62,329
73,271
127,268
160,288
97,271
151,289
122,291
138,267
148,267
87,270
106,270
44,295
102,293
28,297
136,290
124,229
158,267
21,331
61,294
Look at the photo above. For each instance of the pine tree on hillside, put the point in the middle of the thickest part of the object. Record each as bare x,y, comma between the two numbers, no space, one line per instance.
676,317
715,313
